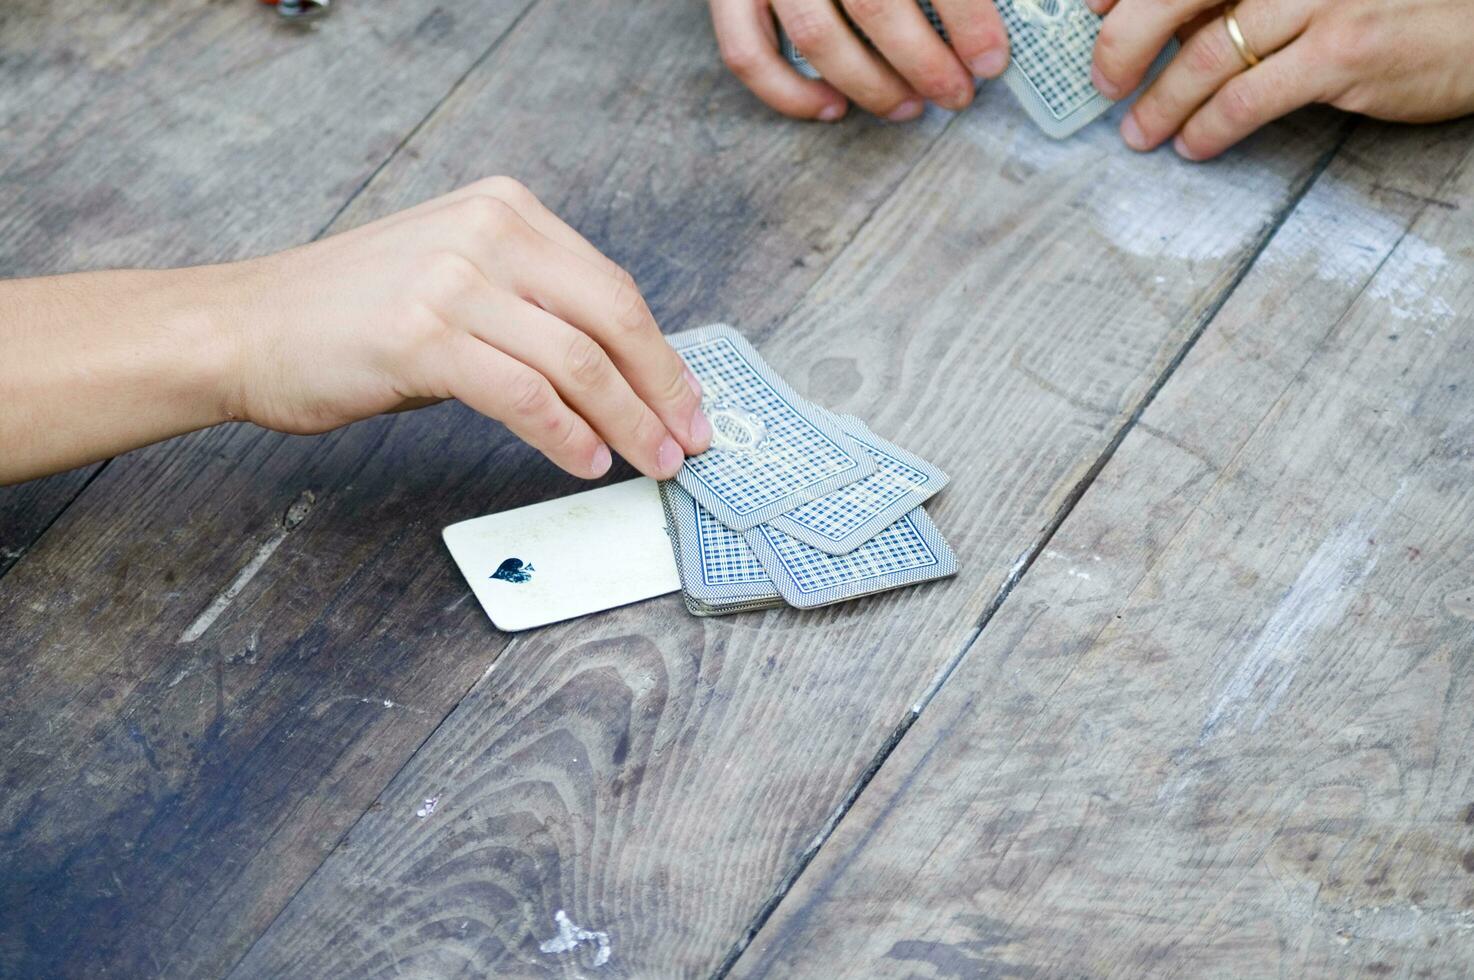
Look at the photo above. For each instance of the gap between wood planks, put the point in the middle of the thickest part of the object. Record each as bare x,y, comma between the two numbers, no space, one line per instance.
332,219
9,559
1026,560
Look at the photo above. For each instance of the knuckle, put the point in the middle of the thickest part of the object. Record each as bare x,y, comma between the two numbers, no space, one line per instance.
420,327
648,431
866,10
448,278
809,30
565,435
529,396
1240,103
1108,45
675,390
507,189
1208,52
631,318
741,60
585,361
490,217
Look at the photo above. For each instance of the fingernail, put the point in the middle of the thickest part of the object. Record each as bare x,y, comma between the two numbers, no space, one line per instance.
1180,145
668,457
700,428
990,63
831,112
1131,132
1104,85
695,385
906,111
1097,6
601,461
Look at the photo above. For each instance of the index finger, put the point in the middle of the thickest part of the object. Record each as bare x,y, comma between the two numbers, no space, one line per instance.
749,48
977,34
601,300
611,309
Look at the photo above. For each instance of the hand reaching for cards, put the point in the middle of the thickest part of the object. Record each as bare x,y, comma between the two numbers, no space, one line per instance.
905,63
1402,60
483,295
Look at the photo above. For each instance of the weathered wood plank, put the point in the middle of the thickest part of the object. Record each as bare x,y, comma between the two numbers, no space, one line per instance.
148,133
1225,725
166,792
28,509
655,777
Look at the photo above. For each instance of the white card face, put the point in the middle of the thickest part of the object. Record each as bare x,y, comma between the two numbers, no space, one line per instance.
568,557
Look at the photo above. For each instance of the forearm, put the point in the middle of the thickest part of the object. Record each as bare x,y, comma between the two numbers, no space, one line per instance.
95,364
483,295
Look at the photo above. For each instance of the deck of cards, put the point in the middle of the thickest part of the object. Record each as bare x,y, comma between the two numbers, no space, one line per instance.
791,504
1051,46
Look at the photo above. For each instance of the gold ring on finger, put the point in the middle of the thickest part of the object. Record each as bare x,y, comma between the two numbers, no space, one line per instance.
1236,35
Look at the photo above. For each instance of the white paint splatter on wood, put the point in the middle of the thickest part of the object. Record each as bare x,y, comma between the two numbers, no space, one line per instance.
1367,236
1321,595
570,935
295,515
427,807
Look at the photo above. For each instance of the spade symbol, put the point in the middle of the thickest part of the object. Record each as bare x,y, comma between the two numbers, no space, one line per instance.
513,570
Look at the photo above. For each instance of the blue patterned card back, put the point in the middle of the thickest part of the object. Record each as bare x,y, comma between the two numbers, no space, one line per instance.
715,563
909,551
772,451
842,521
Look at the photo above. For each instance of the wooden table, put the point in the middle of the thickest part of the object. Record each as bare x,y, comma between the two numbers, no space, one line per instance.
1201,701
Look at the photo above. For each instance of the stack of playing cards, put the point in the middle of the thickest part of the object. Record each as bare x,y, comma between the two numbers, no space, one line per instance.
1051,47
791,503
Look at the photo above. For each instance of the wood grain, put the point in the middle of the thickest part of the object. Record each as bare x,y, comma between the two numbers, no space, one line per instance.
165,795
655,778
1225,724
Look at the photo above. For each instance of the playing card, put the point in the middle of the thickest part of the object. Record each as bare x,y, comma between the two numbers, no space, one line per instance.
909,551
841,521
1051,47
771,450
568,557
795,57
717,567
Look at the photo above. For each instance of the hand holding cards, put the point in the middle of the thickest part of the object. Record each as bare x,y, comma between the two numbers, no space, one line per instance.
1051,47
792,504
